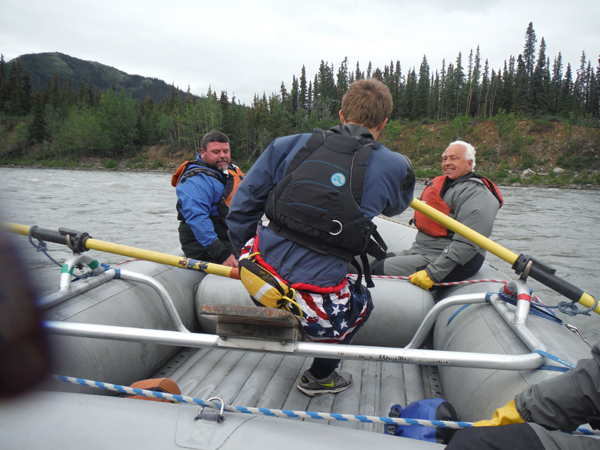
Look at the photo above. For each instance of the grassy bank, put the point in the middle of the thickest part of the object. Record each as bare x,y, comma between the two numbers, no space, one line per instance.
540,152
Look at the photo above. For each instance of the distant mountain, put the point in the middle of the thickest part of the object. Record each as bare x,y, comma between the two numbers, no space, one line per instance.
43,66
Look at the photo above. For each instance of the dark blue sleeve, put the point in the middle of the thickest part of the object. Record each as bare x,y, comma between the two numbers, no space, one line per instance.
386,173
196,197
248,203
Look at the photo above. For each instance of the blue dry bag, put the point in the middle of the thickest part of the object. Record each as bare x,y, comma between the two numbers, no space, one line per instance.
427,409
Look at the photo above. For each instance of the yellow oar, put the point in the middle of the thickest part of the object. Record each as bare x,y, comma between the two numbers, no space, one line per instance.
537,271
132,252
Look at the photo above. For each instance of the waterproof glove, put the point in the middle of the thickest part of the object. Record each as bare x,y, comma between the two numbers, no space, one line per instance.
503,416
421,279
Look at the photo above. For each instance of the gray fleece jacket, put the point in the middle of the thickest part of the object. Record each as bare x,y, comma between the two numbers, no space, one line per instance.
472,204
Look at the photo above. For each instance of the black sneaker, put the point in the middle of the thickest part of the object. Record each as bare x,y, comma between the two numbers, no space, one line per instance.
334,383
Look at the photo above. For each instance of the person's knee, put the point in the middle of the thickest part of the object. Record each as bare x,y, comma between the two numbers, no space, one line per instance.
400,266
508,437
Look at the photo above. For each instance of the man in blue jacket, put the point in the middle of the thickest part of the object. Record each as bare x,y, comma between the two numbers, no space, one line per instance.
320,191
204,191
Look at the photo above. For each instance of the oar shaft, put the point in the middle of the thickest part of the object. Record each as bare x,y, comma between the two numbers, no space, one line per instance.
124,250
162,258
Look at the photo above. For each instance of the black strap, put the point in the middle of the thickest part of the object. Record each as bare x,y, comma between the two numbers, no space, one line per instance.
306,219
377,246
358,285
367,269
196,170
309,242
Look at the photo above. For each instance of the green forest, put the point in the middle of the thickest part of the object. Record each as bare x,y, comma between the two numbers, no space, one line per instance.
65,120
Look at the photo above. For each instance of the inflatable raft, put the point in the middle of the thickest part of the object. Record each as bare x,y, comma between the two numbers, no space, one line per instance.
464,343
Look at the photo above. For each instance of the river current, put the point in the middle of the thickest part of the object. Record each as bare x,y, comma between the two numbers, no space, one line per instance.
558,226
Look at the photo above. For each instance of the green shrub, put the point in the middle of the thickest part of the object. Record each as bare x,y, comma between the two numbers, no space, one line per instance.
111,164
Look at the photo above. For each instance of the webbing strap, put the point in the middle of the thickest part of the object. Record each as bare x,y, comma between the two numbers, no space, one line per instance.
568,364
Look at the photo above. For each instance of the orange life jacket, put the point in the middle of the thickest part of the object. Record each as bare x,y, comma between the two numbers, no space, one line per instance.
432,196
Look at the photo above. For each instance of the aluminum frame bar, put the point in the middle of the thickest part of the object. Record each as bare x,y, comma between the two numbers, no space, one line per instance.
306,349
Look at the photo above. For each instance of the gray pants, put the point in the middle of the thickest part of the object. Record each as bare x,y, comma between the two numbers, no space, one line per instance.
407,263
402,265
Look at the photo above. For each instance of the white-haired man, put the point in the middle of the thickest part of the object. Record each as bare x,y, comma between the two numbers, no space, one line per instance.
438,255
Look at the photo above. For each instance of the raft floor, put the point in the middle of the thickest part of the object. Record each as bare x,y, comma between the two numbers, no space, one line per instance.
267,380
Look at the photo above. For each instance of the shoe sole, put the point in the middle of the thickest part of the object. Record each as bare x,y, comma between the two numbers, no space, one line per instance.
316,393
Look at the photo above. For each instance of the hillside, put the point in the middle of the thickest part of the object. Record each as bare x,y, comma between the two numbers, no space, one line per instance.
540,153
552,141
43,66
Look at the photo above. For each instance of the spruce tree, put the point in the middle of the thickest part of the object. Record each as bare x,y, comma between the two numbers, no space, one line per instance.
485,91
358,74
459,86
342,80
309,99
294,95
580,87
302,99
591,104
434,96
398,91
409,107
555,84
521,103
529,51
540,83
564,103
422,94
474,93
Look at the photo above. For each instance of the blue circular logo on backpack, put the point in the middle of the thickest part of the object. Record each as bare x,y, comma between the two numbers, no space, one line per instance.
337,179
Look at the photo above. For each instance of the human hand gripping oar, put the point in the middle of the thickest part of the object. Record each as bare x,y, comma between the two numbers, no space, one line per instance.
82,241
520,263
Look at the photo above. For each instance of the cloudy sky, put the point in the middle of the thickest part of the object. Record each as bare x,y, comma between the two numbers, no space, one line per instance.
250,47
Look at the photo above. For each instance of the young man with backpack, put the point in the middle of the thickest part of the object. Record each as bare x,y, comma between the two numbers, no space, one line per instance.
320,191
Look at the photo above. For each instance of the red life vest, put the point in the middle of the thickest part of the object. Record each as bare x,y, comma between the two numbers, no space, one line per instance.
432,196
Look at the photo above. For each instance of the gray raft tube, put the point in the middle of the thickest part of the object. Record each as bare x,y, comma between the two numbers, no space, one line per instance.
137,316
131,361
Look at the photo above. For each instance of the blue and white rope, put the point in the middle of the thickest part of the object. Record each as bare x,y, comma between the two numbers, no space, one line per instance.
265,411
280,412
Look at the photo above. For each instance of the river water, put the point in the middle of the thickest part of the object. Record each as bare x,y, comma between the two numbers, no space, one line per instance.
558,226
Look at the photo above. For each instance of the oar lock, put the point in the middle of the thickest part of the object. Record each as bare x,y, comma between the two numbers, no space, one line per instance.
523,265
75,239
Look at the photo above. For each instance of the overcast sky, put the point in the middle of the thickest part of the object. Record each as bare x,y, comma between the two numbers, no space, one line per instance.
250,47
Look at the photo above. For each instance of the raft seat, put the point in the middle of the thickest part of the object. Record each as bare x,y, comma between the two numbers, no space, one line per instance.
252,322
